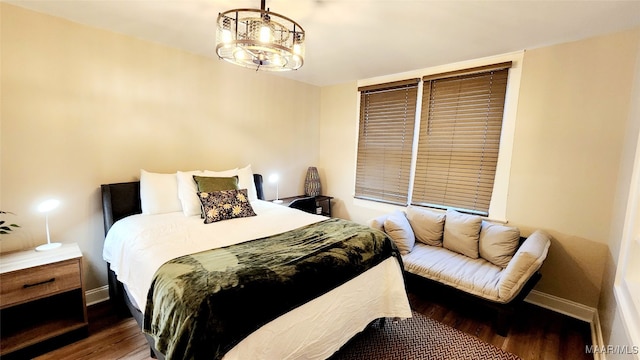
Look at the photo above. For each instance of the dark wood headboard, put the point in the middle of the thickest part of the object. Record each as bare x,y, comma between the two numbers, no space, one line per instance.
123,199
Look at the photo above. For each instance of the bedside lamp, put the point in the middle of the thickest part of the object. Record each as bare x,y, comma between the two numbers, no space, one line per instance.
46,207
274,179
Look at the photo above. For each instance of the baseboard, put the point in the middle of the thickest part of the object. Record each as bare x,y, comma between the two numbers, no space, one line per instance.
97,295
596,338
562,306
553,303
574,310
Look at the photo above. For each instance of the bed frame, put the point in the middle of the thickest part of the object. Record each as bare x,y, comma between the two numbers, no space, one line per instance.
120,200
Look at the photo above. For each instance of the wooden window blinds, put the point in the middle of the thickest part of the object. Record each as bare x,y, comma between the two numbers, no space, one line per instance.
385,140
459,139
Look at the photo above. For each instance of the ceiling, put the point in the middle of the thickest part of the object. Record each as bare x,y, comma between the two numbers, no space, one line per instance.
357,39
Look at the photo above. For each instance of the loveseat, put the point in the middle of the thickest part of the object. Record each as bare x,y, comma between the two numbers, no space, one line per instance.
486,260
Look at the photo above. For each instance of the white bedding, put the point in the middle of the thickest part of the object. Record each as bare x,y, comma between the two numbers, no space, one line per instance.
138,245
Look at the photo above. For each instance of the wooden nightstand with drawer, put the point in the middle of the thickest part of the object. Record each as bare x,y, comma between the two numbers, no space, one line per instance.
41,297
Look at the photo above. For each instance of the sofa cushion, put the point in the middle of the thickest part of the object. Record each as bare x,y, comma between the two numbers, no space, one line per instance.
398,228
428,225
378,222
475,276
498,243
461,233
527,260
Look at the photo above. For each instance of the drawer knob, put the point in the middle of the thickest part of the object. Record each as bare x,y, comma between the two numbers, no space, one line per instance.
38,283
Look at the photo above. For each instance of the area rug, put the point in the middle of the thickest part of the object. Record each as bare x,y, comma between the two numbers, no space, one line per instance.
418,338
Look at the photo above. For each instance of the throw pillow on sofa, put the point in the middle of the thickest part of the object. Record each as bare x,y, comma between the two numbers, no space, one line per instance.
498,243
398,228
462,233
428,225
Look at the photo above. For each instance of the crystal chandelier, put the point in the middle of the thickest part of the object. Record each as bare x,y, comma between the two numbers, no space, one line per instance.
260,39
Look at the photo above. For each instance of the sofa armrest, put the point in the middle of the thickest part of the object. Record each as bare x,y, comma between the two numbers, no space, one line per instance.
525,262
378,222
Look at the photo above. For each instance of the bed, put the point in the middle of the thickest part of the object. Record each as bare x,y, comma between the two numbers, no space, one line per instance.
313,325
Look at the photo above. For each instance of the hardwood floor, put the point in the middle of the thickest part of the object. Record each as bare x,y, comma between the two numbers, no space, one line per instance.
536,333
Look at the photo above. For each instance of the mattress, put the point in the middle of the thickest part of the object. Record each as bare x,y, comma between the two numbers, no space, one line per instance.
138,245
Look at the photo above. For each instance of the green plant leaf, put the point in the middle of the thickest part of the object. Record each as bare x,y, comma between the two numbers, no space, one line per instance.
6,229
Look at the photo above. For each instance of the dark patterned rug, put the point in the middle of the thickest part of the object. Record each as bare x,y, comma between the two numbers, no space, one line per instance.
418,338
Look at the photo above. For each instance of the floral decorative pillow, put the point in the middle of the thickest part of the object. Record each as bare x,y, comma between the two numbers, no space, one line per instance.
225,204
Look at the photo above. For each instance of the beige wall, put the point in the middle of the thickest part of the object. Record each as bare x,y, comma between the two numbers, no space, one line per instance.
81,107
571,121
621,256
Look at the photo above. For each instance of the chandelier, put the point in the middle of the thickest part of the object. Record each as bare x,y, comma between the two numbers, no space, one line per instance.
260,39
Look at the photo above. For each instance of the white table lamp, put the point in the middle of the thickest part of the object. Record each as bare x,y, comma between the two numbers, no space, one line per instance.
46,207
274,179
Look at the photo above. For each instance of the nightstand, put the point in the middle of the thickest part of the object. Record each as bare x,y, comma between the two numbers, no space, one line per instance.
41,297
323,203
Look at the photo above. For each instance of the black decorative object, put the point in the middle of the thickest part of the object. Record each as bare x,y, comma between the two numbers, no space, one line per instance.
312,185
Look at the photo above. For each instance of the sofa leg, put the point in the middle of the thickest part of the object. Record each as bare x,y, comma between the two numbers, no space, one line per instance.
503,322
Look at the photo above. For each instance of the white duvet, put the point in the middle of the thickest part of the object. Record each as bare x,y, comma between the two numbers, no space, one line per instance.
138,245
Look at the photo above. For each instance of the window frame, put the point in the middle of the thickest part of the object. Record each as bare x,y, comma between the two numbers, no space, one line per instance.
499,197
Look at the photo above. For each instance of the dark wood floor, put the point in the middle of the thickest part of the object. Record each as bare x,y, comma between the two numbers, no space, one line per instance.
536,333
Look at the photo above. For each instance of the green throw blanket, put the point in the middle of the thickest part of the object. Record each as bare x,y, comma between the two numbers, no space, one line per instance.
201,305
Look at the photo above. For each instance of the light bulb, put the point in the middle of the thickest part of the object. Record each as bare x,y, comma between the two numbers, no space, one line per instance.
277,60
239,54
265,34
226,36
48,205
274,178
297,49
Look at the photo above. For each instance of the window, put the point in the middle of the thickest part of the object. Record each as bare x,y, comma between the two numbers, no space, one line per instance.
460,128
460,124
385,140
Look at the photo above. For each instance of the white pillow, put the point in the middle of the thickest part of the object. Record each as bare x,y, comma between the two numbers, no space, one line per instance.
159,193
224,173
399,230
187,192
245,181
462,233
